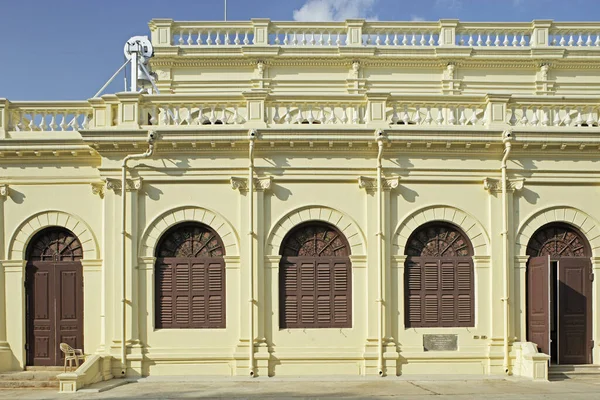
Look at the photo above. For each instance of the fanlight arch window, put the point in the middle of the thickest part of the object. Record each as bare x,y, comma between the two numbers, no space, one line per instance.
439,284
54,244
190,278
558,240
315,278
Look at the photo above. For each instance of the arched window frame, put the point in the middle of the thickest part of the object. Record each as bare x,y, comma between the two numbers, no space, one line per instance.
439,278
315,290
190,285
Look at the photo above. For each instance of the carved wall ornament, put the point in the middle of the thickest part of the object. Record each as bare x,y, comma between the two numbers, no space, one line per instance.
494,185
4,190
260,184
355,69
544,71
115,184
370,184
98,188
449,73
260,68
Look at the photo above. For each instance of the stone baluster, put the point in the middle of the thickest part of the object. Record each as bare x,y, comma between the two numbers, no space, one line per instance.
440,115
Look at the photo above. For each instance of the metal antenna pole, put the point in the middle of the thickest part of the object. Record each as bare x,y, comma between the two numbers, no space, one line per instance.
225,10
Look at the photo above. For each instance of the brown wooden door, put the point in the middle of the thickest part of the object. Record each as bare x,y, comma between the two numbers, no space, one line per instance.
538,302
54,310
574,311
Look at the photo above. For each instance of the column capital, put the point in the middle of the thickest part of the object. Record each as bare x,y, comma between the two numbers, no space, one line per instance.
114,184
98,188
260,184
4,190
494,185
370,184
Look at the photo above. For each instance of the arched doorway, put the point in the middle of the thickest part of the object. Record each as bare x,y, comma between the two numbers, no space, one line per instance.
54,295
559,294
190,278
438,277
315,287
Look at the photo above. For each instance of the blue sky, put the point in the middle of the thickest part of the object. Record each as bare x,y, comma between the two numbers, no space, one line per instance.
67,49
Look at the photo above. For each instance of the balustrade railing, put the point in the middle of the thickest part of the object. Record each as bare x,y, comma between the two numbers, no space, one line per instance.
295,34
49,116
436,113
213,33
293,112
579,34
401,34
366,33
493,35
552,115
182,113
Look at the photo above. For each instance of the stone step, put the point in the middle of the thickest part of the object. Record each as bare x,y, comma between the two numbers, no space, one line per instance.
573,371
58,368
29,379
29,384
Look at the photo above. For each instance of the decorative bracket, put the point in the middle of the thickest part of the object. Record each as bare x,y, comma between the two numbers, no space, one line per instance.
98,188
4,190
370,184
493,185
260,184
114,184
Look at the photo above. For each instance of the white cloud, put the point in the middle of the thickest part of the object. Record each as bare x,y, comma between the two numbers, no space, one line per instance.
335,10
416,18
449,4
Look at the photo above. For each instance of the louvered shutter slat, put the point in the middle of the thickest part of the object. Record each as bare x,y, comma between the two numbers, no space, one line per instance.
431,276
447,309
464,308
414,276
182,310
323,278
307,277
198,310
307,309
323,309
447,276
431,309
340,309
291,310
414,309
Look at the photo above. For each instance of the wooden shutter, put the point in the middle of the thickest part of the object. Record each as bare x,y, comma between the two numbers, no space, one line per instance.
315,294
190,278
190,293
315,279
439,292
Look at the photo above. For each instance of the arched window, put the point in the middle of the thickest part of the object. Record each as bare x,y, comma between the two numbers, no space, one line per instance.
315,278
190,278
54,244
558,240
438,278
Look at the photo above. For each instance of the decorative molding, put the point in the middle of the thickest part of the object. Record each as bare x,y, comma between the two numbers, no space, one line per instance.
114,184
494,185
98,189
260,184
370,184
4,190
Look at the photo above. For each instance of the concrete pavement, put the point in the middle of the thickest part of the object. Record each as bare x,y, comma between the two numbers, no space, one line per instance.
434,388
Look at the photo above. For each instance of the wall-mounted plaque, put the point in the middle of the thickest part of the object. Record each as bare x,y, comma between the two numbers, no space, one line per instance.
440,342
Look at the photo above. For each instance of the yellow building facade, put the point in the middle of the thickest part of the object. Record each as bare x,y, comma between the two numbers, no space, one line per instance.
352,198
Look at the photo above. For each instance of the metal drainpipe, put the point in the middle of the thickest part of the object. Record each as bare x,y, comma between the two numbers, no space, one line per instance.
380,138
251,138
506,139
148,153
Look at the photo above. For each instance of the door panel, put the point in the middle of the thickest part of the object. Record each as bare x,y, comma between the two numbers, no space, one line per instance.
69,306
538,302
574,311
54,310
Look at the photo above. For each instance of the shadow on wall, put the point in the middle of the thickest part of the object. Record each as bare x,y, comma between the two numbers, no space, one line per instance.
153,192
529,195
282,193
408,194
16,196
